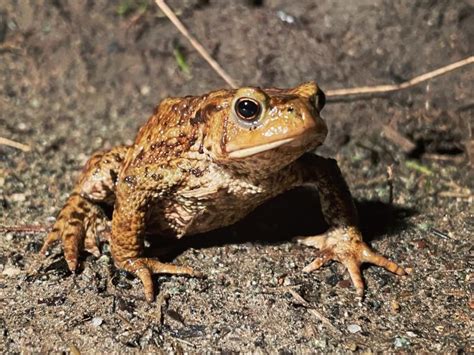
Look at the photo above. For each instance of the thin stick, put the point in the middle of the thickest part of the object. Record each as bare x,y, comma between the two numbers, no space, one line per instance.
311,310
25,229
390,184
10,143
405,85
202,51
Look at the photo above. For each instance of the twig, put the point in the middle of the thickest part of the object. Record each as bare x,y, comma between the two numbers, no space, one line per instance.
330,93
439,234
183,341
202,51
25,228
397,138
10,143
390,184
405,85
311,310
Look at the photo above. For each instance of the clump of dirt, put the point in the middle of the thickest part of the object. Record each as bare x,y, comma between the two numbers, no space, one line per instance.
83,76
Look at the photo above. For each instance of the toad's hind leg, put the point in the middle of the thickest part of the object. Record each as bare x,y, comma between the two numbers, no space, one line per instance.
77,221
127,242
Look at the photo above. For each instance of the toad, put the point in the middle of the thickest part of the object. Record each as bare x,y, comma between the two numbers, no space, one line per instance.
205,162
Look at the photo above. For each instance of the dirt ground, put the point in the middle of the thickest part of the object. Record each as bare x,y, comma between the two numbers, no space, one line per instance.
80,76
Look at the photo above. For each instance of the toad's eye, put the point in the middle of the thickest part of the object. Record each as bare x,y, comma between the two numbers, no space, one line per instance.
247,109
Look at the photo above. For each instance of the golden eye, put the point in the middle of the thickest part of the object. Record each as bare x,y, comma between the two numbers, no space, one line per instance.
247,109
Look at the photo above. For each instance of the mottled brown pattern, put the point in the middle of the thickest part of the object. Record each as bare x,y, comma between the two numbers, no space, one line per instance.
197,166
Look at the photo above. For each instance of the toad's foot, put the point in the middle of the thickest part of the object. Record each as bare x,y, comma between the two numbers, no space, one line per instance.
76,225
345,245
144,268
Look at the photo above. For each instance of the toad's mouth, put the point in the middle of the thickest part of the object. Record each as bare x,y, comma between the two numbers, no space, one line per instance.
298,141
246,152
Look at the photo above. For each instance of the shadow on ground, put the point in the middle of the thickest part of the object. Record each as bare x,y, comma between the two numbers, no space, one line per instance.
296,213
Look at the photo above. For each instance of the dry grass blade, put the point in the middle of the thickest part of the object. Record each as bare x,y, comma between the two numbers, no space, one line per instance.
362,90
10,143
202,51
25,229
365,90
311,310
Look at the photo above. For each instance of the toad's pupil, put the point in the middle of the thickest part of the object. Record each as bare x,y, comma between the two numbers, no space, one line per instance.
248,109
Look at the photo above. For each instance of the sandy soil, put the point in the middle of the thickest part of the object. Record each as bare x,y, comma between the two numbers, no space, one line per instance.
79,76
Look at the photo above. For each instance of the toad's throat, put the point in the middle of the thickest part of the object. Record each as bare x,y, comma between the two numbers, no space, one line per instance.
246,152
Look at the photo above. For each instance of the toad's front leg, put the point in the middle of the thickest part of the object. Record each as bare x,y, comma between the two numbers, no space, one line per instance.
343,242
127,241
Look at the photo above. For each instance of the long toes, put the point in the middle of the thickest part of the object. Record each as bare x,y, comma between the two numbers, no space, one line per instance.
315,242
145,276
162,268
140,268
372,257
318,262
144,268
90,244
354,271
52,238
72,245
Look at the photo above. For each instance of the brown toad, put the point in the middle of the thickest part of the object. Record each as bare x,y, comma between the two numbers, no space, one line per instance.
204,162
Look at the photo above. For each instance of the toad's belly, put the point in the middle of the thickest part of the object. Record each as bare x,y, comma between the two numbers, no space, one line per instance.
188,214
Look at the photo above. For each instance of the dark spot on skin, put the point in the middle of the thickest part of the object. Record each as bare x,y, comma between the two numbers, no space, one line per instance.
197,172
75,223
210,109
77,215
156,177
290,109
198,118
113,176
224,134
140,155
172,144
118,158
69,235
156,145
83,206
130,180
192,140
280,100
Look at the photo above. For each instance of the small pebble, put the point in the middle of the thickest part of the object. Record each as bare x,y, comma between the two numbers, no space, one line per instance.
395,306
104,259
411,334
97,321
352,346
19,197
35,103
345,283
145,90
401,342
354,328
11,271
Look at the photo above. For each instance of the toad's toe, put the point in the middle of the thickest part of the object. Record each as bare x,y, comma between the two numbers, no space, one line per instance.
144,268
